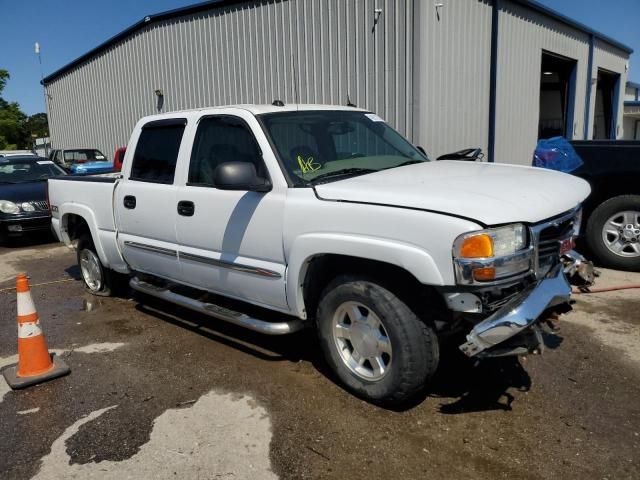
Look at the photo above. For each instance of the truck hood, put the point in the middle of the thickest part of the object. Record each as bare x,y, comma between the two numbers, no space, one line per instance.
489,193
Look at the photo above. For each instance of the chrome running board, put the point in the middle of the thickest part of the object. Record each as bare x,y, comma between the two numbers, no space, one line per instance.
217,311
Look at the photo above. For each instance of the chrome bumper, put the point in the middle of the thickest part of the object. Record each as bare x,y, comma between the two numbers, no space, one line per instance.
518,314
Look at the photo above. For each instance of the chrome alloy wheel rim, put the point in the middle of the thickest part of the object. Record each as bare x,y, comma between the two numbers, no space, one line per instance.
362,341
621,233
91,271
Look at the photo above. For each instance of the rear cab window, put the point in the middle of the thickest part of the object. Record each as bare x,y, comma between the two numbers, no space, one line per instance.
156,153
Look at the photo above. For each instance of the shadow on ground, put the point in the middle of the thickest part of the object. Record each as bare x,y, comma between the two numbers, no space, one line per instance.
474,385
28,240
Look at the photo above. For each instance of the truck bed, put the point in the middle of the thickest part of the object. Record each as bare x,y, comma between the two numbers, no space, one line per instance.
90,197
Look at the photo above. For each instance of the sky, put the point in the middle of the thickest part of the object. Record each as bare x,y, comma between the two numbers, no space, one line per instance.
68,28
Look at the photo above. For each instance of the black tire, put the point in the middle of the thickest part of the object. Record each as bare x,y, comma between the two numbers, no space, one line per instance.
596,224
414,344
105,287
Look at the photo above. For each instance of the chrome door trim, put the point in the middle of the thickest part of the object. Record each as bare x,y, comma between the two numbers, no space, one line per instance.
151,248
263,272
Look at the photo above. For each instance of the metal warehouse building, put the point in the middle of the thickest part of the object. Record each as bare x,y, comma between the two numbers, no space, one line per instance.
496,74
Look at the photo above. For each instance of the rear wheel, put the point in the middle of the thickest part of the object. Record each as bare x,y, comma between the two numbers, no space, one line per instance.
373,342
97,279
613,232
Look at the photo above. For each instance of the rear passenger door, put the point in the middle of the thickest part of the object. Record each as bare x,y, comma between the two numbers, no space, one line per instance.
230,241
146,200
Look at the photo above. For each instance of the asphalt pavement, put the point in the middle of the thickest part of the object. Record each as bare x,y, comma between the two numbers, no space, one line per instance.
160,392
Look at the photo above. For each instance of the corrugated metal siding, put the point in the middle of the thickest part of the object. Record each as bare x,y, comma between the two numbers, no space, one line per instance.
630,94
610,58
320,51
523,34
630,128
451,76
248,53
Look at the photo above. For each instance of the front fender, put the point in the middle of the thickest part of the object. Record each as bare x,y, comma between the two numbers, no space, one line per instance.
411,258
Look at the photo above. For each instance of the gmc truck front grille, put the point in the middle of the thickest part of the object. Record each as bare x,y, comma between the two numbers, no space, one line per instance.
548,237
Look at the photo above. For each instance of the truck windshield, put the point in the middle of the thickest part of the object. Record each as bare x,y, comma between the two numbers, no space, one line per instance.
323,146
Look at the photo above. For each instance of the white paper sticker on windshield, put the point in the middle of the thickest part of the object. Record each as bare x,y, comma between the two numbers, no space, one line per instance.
373,117
45,162
99,157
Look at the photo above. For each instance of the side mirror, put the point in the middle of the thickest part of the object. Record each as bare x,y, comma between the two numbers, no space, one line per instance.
239,176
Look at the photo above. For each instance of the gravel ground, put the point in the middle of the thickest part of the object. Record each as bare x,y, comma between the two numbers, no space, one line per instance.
156,391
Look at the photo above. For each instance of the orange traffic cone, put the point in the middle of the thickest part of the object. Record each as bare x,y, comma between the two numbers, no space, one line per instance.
35,365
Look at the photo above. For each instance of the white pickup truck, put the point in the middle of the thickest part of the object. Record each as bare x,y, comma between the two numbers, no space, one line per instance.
330,218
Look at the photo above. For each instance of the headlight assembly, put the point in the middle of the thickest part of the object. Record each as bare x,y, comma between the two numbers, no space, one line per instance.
27,207
8,207
492,254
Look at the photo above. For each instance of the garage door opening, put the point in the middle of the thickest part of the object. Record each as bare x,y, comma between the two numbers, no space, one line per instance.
604,120
557,95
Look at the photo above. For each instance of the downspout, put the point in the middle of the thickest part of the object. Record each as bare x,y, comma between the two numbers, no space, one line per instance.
587,107
493,75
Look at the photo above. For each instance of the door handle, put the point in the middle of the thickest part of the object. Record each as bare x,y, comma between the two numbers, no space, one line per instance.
129,202
186,208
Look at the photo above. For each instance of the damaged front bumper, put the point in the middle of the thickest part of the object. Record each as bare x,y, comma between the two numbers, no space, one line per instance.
518,317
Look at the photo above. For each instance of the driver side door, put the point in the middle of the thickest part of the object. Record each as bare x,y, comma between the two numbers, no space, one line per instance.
230,241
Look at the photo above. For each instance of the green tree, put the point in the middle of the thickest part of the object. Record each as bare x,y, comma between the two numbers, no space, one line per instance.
16,128
38,125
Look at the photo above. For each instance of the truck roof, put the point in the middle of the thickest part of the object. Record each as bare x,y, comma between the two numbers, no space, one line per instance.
258,109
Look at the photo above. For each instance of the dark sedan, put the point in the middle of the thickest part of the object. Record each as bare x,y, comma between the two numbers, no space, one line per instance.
23,191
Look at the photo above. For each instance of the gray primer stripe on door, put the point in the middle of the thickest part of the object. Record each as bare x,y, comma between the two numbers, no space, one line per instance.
233,266
152,248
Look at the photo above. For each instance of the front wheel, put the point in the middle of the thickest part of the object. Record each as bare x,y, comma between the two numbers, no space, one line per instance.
373,342
96,278
613,232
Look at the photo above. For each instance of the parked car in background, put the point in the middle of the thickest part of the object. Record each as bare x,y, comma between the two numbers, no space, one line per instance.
91,168
23,203
16,153
612,211
330,218
66,158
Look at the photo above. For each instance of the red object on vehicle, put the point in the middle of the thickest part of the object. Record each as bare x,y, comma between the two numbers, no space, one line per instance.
118,157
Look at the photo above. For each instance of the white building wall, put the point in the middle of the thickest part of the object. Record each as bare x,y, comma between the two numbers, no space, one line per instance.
313,51
425,69
610,58
452,52
522,36
631,128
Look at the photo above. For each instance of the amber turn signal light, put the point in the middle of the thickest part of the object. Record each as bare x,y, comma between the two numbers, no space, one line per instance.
477,246
484,274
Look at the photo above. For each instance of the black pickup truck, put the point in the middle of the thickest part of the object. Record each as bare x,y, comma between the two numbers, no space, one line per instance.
612,211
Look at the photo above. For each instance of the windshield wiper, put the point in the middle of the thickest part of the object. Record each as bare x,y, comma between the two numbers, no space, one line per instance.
341,173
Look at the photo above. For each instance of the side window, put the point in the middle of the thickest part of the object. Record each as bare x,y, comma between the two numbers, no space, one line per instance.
157,151
219,140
